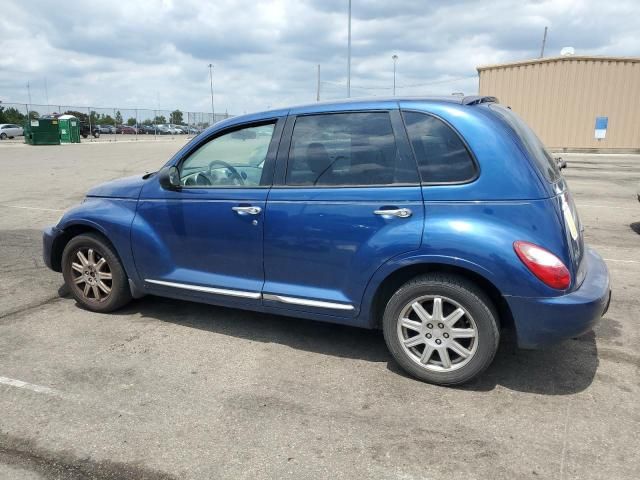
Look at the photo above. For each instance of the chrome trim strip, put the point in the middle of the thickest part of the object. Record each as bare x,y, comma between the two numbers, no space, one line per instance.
306,302
198,288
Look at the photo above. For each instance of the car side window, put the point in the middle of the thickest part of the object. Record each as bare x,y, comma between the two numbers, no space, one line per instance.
234,159
346,149
441,154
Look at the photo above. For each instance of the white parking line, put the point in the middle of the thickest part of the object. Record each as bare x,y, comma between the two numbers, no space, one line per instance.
12,382
34,208
621,261
614,207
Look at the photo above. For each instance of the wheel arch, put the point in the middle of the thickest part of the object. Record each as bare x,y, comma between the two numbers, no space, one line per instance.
393,280
69,232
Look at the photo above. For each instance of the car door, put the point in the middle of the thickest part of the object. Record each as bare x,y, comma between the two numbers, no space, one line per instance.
346,199
205,239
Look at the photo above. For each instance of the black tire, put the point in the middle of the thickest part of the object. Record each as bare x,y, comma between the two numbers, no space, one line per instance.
470,298
3,136
119,294
84,135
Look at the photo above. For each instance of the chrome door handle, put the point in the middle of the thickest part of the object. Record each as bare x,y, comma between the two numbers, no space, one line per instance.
397,212
247,210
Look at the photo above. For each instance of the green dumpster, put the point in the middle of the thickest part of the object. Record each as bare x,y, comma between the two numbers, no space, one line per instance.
42,131
69,129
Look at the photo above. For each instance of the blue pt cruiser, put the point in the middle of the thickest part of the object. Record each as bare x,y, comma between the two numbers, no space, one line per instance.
439,220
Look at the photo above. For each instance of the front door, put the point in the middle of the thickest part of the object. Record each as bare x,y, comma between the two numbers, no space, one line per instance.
205,239
346,200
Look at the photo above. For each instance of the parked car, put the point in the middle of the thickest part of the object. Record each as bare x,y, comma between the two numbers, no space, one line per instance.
85,131
106,128
441,221
10,130
126,130
146,129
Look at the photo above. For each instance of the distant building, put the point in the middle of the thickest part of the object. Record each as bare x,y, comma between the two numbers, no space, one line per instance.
563,98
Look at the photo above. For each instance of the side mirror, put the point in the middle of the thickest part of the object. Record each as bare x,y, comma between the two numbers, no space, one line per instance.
169,178
561,163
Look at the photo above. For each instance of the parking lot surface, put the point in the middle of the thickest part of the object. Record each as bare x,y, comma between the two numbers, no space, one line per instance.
165,389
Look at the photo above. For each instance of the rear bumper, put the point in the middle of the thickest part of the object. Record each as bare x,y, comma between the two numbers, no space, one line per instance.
544,321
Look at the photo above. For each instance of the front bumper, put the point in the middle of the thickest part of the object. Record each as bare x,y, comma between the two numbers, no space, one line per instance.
49,236
544,321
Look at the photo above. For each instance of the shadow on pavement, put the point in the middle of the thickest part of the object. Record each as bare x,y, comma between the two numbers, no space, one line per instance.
559,370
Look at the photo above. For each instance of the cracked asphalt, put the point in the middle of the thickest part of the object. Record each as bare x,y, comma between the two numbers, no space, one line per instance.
166,389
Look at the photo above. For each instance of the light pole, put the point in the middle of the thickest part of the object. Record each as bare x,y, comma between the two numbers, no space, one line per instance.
213,113
349,54
395,59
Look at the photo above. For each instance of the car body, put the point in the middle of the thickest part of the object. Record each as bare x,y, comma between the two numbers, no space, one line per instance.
10,130
147,129
126,130
85,130
438,219
106,128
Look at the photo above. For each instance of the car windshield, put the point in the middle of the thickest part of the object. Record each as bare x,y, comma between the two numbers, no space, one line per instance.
535,148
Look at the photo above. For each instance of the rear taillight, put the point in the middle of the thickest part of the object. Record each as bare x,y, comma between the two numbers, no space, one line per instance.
543,264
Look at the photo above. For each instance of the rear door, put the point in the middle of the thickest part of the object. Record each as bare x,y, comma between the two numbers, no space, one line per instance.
345,200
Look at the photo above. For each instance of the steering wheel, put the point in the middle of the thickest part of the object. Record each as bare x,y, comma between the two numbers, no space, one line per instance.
235,175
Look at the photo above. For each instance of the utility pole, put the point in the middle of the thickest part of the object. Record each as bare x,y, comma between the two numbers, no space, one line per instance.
46,91
544,41
318,87
213,113
29,105
395,59
349,55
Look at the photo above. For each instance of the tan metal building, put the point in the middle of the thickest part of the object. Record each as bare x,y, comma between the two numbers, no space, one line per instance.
561,97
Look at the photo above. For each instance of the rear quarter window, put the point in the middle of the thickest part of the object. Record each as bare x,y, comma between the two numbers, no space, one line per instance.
441,154
532,144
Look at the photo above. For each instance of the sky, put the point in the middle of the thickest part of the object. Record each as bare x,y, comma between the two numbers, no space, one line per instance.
155,53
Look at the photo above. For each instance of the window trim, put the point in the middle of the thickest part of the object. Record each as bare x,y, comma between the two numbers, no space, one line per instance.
284,151
474,160
266,179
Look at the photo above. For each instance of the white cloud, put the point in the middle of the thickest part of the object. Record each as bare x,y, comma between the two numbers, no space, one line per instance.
145,53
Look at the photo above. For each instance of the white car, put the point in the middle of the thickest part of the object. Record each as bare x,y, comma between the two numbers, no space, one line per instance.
10,130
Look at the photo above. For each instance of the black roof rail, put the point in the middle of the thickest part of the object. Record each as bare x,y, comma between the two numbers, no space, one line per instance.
478,99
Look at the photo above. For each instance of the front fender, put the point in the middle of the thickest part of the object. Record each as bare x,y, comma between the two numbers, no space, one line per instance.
112,217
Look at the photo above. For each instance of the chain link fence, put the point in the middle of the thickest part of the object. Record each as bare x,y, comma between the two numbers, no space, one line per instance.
112,124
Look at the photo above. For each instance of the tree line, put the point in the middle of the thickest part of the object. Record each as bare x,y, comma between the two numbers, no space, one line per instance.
13,115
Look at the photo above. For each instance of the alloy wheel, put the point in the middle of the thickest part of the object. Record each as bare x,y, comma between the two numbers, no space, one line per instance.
91,274
437,333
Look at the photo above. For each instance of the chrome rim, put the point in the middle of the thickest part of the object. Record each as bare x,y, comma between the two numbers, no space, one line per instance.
91,274
437,333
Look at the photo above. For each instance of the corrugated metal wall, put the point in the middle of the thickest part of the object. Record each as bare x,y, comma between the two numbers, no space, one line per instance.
560,99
